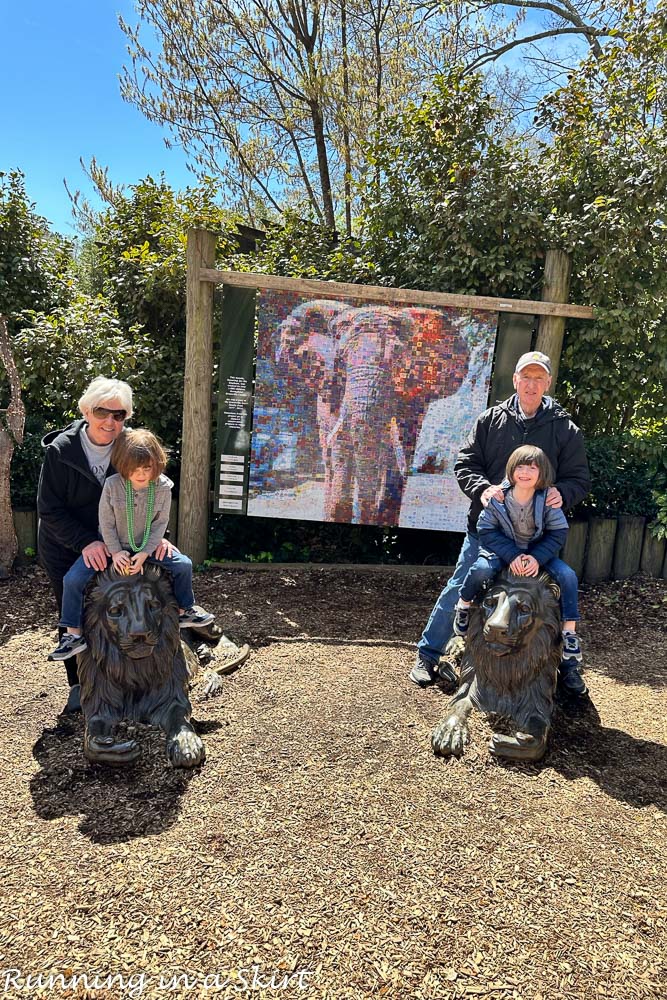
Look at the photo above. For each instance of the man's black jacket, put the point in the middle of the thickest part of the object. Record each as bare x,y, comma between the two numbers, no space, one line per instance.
68,500
500,429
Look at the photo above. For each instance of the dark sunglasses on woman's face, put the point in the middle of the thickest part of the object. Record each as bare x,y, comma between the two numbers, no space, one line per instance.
102,413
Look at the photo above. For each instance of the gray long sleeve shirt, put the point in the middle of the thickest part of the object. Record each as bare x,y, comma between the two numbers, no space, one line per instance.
113,515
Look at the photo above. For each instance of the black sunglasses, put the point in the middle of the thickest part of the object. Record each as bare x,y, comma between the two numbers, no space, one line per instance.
102,413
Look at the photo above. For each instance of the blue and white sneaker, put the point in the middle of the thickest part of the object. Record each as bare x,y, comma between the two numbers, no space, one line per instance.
569,671
571,648
461,621
195,617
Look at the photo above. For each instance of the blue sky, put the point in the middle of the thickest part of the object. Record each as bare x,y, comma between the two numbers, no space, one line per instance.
60,64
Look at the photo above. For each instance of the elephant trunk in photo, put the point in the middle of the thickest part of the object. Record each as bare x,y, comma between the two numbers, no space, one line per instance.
306,353
391,364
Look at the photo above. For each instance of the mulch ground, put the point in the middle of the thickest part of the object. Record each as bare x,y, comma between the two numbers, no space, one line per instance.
322,850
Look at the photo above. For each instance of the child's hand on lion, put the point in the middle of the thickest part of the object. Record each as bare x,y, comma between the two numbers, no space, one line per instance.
121,562
531,567
517,566
525,565
137,563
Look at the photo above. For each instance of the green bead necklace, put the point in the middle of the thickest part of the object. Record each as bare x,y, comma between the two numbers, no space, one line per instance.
129,510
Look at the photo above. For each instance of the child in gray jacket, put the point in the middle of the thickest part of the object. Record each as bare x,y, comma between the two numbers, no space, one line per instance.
524,533
133,517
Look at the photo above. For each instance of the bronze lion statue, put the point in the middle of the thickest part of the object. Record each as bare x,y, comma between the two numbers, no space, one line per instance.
135,667
509,668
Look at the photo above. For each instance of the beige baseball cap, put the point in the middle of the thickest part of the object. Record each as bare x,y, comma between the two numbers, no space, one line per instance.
534,358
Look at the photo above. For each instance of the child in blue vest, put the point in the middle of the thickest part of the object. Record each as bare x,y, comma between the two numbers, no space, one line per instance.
525,534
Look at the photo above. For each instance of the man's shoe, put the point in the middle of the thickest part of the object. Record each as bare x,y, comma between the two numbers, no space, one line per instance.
571,648
73,700
195,617
68,646
570,678
424,672
461,621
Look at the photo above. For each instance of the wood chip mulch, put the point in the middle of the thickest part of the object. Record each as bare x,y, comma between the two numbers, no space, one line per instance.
322,851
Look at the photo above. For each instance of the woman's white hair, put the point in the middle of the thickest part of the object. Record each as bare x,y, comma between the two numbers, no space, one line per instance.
101,390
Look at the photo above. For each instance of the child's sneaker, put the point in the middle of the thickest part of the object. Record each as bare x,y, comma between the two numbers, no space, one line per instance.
195,617
569,670
571,648
68,646
461,621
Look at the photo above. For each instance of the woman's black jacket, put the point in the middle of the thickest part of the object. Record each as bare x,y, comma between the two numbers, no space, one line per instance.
68,500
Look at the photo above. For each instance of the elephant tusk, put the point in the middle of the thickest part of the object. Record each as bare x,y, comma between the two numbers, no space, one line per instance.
398,448
336,427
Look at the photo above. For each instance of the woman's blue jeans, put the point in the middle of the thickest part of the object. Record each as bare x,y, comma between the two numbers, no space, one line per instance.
75,580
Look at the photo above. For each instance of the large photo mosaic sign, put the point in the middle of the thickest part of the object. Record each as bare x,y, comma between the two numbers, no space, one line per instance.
360,409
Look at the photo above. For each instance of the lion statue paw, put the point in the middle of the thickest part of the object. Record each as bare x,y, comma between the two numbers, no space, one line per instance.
186,749
450,737
521,746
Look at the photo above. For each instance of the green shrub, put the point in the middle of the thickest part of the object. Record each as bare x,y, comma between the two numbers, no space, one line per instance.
621,480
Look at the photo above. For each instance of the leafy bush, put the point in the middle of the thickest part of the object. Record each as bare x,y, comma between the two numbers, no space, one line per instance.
36,267
621,480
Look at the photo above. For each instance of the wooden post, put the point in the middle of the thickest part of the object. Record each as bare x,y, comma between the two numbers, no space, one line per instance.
628,546
196,453
600,554
555,288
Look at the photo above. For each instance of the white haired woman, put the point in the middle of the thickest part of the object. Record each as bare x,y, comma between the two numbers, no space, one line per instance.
76,464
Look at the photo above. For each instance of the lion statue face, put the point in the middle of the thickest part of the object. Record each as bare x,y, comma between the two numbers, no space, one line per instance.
131,617
515,609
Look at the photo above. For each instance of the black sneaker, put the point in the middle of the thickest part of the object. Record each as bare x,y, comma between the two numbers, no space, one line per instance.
424,672
461,621
195,617
73,700
68,646
570,678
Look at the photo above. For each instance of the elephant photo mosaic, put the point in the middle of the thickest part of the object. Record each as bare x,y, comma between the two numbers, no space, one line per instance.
360,409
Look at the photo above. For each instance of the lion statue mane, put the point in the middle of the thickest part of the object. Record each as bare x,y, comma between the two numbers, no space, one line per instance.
509,668
135,667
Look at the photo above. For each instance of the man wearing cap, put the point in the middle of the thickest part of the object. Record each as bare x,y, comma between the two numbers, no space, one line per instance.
527,417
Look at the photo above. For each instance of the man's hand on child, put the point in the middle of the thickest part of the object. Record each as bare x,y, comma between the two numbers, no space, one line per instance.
554,498
492,491
95,555
137,563
121,561
165,548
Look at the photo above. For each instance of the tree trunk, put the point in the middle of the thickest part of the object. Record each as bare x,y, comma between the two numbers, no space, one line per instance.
346,131
323,165
555,288
12,422
8,543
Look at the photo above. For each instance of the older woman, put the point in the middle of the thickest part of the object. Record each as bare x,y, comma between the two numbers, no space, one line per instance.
70,485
